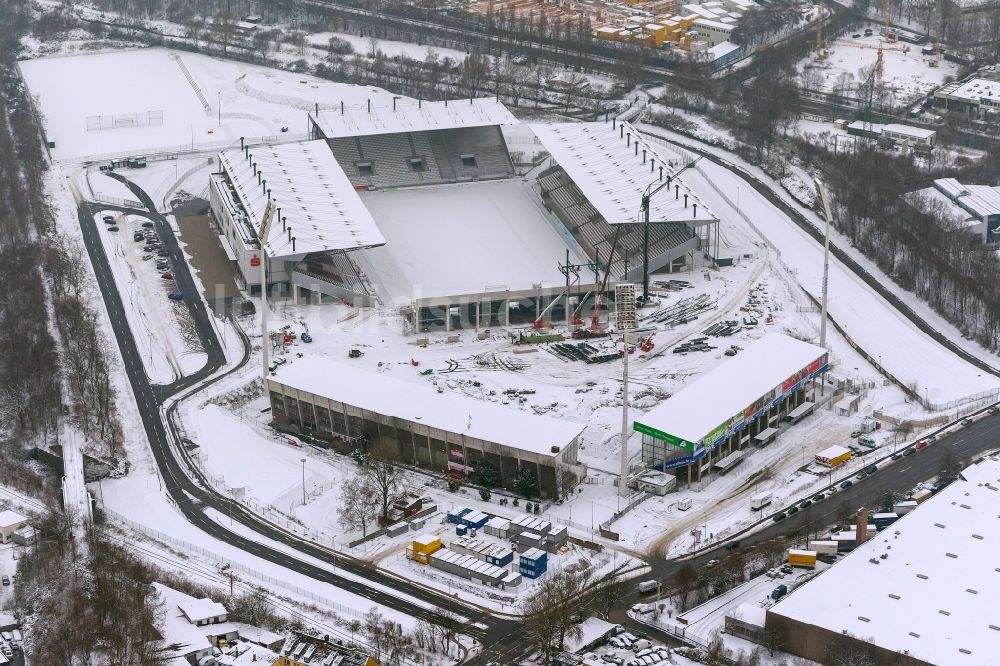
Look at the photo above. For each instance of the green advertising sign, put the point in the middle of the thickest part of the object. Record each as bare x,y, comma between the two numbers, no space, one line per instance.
714,435
662,436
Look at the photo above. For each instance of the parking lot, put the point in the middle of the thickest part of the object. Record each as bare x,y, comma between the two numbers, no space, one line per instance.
207,258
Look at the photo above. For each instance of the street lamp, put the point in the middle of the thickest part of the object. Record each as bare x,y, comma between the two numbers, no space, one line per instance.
303,482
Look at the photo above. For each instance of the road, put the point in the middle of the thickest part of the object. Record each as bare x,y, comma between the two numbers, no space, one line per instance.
964,444
191,497
505,639
876,283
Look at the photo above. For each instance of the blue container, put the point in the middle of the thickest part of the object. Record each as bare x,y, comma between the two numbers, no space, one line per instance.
461,530
455,517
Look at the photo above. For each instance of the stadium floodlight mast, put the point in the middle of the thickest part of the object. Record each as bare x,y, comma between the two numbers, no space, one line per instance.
644,208
825,198
265,227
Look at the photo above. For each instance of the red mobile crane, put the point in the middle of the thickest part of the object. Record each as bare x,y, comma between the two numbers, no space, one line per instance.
595,321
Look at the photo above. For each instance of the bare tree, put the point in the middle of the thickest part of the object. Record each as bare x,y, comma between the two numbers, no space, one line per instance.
358,503
550,611
385,479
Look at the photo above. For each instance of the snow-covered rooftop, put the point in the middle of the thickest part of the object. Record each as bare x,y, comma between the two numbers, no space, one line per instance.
200,610
10,518
973,89
756,372
316,199
905,130
934,595
981,200
408,115
182,636
451,412
608,169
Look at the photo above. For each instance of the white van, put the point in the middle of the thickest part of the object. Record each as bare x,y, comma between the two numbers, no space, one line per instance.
867,441
641,644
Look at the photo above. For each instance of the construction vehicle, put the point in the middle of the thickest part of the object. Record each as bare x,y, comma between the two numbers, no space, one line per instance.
595,322
540,322
647,344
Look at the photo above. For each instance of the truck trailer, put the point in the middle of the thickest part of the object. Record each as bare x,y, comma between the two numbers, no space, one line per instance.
802,558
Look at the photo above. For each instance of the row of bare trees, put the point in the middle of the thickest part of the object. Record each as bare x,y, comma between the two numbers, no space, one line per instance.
922,249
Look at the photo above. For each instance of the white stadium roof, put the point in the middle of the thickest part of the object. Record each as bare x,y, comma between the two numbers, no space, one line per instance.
608,171
408,115
700,407
452,412
316,199
934,596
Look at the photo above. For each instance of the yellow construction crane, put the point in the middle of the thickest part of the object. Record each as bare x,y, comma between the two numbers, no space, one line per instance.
938,35
887,32
879,67
820,55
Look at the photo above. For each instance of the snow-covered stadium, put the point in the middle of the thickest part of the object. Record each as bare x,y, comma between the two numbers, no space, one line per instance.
418,206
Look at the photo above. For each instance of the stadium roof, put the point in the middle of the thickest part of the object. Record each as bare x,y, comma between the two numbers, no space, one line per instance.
934,595
408,115
411,401
316,199
713,399
608,171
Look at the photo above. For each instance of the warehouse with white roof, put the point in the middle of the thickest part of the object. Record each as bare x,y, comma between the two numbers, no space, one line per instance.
729,407
923,591
412,423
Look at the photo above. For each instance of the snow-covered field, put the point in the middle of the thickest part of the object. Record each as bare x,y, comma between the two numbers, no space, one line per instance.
187,89
906,74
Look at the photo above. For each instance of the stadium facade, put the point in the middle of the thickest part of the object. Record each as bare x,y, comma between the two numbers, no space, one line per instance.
727,407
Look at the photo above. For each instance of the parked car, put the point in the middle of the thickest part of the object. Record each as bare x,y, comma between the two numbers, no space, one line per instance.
778,517
920,445
897,456
112,228
855,434
993,409
175,296
162,253
846,484
779,592
908,452
148,248
817,497
147,225
966,423
137,236
147,257
711,563
793,509
6,580
732,545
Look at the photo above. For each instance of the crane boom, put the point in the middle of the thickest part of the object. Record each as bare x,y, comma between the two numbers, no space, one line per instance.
595,322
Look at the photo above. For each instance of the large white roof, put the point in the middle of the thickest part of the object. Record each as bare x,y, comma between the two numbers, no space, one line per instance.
316,198
606,168
935,593
387,395
711,400
409,115
983,200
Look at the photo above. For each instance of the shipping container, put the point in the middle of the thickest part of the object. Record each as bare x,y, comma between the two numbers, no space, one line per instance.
883,520
802,558
903,508
426,543
455,517
823,547
759,501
